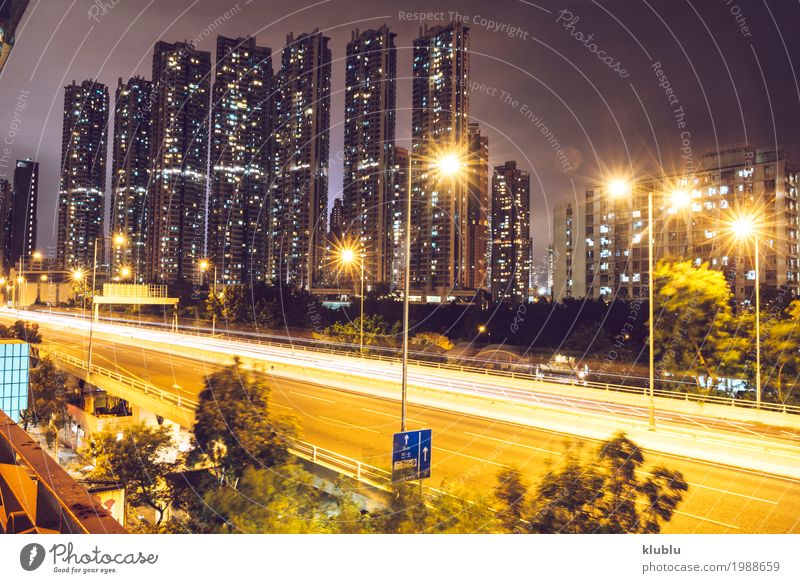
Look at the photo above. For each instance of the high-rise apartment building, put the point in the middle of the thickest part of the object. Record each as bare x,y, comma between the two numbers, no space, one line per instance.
477,209
568,257
690,214
511,239
241,165
369,149
130,177
299,201
81,197
440,120
22,218
399,214
176,202
337,220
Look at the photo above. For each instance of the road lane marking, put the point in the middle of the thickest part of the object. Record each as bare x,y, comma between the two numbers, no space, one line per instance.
725,524
311,397
733,493
515,443
742,427
392,416
471,457
348,424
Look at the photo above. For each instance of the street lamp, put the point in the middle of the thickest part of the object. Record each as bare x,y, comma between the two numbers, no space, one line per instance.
448,164
743,227
204,265
79,275
619,188
347,257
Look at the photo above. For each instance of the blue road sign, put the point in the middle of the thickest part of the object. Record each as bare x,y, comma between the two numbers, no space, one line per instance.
411,455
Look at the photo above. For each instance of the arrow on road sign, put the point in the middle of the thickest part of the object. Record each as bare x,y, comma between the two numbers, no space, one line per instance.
425,454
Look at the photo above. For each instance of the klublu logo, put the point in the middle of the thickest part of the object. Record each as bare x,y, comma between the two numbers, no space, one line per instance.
31,556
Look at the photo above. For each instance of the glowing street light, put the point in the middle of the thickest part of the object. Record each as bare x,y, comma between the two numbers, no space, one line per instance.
680,199
743,227
37,255
120,239
124,272
347,257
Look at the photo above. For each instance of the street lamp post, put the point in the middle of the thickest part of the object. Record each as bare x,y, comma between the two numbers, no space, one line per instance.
448,165
204,266
744,227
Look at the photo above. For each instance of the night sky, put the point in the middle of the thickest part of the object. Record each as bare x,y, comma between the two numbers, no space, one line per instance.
732,66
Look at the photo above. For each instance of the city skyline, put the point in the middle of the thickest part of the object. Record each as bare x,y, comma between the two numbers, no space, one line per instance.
547,187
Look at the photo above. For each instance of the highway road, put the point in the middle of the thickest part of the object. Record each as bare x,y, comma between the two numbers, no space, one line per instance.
468,450
544,395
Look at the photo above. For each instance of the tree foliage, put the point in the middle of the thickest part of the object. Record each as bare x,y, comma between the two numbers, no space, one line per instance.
696,332
602,495
22,330
377,332
139,458
781,349
234,427
278,500
47,399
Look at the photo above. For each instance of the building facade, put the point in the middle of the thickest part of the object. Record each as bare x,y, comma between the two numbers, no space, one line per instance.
511,239
176,200
130,176
477,259
568,252
690,218
440,121
399,214
241,165
299,202
81,197
369,149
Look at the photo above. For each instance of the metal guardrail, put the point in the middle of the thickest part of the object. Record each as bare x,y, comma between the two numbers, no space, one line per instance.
342,464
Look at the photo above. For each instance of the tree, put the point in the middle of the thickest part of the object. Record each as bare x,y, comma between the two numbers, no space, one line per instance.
377,332
138,457
696,331
427,340
22,330
47,404
233,426
280,500
602,495
511,492
781,346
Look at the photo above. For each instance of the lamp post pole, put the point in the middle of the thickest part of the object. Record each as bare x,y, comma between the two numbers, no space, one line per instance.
758,326
91,314
406,292
650,235
361,320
